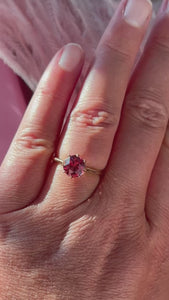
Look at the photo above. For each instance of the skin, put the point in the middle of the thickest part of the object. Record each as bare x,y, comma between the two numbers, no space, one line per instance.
95,237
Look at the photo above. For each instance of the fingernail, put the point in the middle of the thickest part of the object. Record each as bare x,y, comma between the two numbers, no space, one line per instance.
164,7
71,56
137,12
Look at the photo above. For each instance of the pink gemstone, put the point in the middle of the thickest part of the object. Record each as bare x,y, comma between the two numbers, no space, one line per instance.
74,166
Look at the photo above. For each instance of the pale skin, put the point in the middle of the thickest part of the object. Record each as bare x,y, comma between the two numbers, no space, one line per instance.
93,237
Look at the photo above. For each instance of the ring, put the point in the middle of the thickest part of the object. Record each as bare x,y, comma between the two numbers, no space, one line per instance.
74,166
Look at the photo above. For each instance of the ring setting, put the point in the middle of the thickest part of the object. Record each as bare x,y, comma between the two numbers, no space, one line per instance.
74,166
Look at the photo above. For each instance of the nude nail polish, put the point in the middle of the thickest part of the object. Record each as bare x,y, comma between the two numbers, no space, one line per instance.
70,57
137,12
163,6
168,6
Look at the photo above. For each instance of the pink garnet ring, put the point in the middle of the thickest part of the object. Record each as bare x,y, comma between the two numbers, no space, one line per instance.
74,166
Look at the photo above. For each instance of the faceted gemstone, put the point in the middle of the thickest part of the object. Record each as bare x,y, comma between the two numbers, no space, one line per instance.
74,166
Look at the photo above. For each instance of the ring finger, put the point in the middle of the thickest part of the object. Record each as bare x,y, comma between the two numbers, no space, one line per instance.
93,122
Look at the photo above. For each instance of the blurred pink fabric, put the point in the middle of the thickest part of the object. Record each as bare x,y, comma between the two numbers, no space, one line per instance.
31,32
12,107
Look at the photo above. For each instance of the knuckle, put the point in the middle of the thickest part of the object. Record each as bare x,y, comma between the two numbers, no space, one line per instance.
120,56
161,37
161,44
94,118
147,108
48,94
29,140
43,92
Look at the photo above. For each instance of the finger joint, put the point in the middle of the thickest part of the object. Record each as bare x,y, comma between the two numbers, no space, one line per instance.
95,118
119,55
28,140
146,107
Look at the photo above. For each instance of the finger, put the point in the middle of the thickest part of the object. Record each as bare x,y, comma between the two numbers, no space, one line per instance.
24,168
94,120
157,205
143,121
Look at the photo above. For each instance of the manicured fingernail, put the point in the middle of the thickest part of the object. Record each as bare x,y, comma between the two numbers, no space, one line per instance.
71,56
137,12
167,6
164,7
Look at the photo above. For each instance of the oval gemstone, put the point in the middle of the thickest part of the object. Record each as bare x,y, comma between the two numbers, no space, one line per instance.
74,166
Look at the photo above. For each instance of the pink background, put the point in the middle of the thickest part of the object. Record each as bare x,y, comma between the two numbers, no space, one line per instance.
12,107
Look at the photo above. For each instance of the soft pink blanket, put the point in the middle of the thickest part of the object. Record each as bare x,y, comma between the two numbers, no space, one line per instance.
31,31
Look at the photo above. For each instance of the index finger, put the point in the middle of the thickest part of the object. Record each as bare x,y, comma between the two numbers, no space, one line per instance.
25,165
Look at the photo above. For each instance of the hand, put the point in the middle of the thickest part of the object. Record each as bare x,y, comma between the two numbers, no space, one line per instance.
93,237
